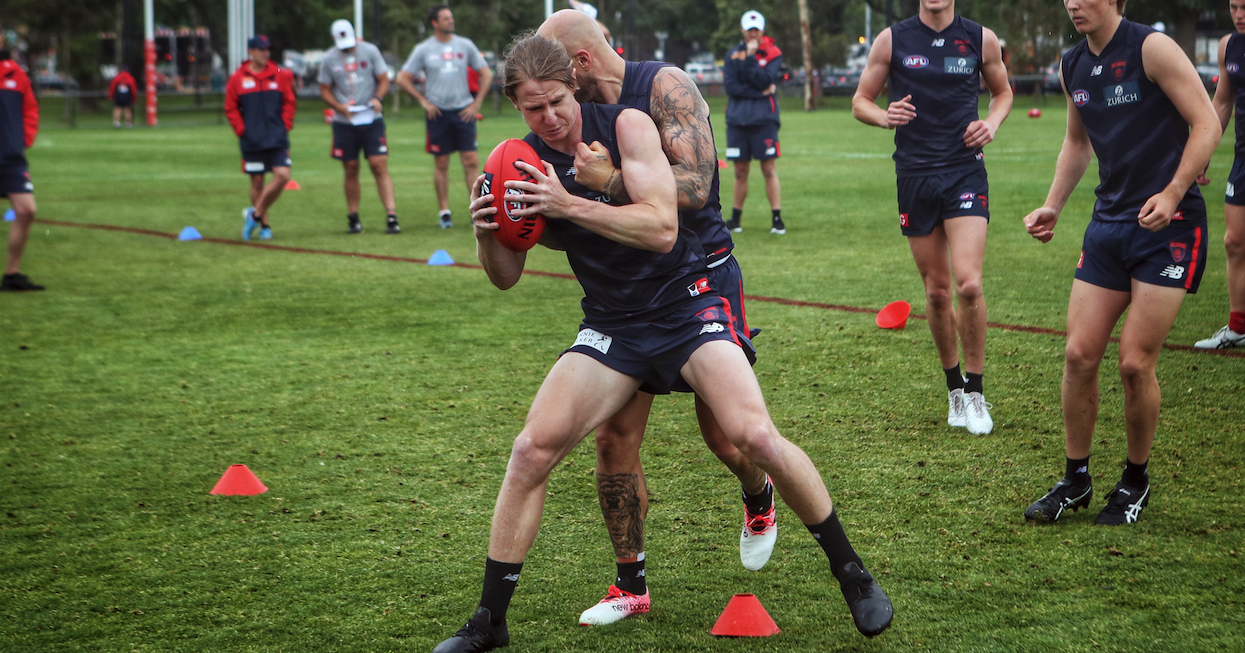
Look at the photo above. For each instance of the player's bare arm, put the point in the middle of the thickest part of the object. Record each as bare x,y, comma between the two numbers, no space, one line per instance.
682,119
1074,158
872,83
406,82
382,89
503,267
1167,66
994,73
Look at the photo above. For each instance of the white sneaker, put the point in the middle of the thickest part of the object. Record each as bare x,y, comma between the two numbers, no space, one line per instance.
616,606
977,414
1224,338
756,542
956,413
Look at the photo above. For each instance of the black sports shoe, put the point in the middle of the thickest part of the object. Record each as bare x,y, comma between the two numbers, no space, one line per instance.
392,227
356,225
18,282
778,227
871,610
733,225
1063,496
476,636
1124,505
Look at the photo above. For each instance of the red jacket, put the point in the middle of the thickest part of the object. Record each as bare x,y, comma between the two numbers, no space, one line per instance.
19,114
260,107
122,79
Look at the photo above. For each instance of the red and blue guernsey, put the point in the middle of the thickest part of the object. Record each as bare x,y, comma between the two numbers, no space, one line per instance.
1234,56
260,107
706,222
622,284
1136,131
942,73
19,114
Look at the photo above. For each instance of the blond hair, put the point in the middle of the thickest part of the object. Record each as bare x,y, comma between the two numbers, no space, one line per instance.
536,58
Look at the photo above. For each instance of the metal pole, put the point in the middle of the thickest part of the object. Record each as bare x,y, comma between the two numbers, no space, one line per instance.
548,8
149,48
358,19
868,26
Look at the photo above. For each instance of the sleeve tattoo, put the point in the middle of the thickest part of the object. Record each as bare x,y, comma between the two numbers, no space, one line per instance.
682,118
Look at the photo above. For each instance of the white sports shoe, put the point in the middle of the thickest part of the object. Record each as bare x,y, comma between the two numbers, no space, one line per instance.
756,542
616,606
1224,338
957,415
977,413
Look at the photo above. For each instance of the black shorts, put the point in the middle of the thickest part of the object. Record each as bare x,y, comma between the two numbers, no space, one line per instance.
728,280
1115,252
449,133
1236,183
655,352
348,139
261,161
15,180
758,142
924,202
123,100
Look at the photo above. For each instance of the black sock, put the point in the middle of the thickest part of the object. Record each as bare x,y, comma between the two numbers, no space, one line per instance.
973,383
829,534
955,381
759,503
631,576
1135,474
735,214
353,217
1078,470
500,579
777,213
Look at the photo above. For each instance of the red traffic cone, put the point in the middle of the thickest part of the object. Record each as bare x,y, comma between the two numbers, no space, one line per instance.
292,185
744,616
239,480
894,315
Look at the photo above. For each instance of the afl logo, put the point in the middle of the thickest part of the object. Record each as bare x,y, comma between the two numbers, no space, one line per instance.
1232,68
514,206
915,61
1080,98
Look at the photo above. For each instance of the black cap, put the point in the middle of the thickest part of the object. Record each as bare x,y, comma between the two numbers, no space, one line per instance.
257,42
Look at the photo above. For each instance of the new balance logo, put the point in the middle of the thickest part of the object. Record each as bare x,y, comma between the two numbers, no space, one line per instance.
1173,272
966,205
1096,72
938,43
712,327
514,578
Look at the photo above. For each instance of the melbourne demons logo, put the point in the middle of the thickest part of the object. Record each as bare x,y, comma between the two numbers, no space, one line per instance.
1178,251
1117,69
915,61
1080,98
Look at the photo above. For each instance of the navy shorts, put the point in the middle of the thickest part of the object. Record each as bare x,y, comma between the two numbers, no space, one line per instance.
449,133
728,280
123,100
15,180
261,161
348,139
1236,183
924,202
655,352
1115,252
758,142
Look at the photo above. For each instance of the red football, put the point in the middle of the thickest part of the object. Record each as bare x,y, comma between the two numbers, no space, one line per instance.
516,233
1035,113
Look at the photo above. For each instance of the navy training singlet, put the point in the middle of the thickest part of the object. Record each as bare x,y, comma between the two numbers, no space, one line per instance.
637,91
1234,57
622,284
1136,131
942,73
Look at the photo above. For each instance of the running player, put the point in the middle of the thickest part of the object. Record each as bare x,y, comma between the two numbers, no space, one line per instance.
650,316
260,105
1145,247
671,98
936,61
121,91
19,124
1228,95
353,79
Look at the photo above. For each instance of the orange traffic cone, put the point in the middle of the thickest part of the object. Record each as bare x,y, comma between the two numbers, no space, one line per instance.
292,185
744,616
239,480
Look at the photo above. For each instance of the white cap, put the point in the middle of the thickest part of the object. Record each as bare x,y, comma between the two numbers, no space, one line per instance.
584,7
752,20
343,34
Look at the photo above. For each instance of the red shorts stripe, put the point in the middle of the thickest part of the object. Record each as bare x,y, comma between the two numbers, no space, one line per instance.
726,306
1197,245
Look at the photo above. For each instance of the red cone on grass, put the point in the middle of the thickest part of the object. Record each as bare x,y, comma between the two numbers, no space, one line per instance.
239,480
894,315
292,185
744,616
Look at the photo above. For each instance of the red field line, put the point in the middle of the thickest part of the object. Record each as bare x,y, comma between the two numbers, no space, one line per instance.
558,275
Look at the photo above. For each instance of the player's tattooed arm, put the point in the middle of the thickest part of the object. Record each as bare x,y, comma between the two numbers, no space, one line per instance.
682,118
619,495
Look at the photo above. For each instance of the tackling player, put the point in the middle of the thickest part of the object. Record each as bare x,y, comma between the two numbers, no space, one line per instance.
1228,95
19,124
1145,247
260,105
936,61
671,98
650,316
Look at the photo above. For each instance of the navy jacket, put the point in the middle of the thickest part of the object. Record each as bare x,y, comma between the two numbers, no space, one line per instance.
260,107
746,80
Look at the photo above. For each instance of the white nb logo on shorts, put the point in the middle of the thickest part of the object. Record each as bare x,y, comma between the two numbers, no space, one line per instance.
712,327
595,339
1173,272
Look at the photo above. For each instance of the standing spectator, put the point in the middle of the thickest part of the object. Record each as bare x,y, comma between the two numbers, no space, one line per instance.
353,79
752,122
19,123
121,91
443,59
260,104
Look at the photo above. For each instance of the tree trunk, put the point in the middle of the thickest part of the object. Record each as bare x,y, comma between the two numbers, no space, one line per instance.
806,39
1184,31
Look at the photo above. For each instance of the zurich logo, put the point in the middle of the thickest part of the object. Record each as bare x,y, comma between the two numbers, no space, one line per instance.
963,62
915,61
1080,98
1119,90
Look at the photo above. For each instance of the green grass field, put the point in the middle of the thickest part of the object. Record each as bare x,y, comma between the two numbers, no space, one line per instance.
378,400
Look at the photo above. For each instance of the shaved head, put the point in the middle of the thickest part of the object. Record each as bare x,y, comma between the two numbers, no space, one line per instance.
576,31
598,68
